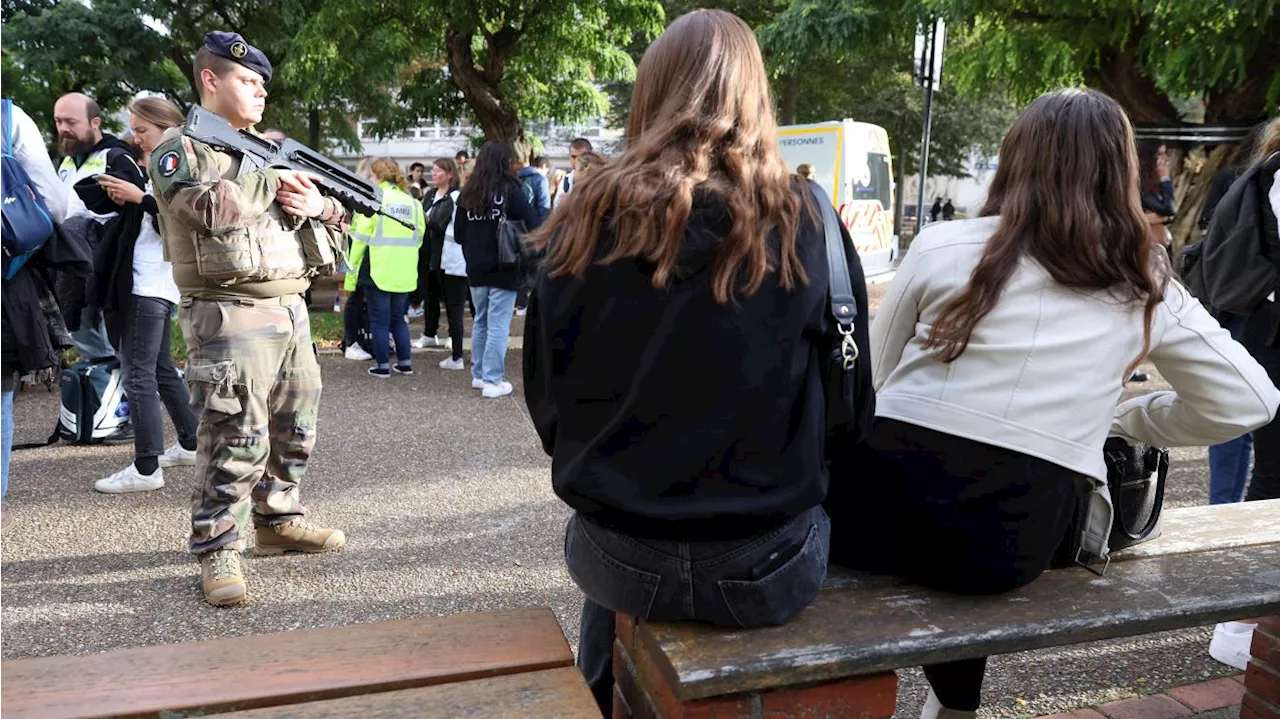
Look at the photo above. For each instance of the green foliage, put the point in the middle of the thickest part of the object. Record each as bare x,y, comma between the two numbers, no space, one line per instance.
105,51
492,60
1145,54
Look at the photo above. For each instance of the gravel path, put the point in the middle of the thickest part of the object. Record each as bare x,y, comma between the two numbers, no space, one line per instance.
447,507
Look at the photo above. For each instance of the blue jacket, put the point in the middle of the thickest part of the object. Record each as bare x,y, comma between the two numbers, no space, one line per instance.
536,190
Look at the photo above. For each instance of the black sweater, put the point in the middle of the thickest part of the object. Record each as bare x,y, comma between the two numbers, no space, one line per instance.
478,235
669,415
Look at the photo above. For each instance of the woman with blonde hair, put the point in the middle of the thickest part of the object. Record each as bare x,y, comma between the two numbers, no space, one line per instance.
384,261
673,354
138,296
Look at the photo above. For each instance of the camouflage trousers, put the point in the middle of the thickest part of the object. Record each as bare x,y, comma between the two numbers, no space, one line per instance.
255,384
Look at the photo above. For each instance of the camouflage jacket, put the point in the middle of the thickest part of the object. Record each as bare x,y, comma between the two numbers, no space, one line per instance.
224,232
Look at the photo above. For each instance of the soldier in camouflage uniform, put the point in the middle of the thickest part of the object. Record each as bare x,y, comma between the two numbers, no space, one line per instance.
237,242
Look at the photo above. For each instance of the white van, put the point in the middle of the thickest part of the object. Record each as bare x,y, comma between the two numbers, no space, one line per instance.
852,162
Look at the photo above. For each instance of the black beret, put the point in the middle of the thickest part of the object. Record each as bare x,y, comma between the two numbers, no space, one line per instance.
233,47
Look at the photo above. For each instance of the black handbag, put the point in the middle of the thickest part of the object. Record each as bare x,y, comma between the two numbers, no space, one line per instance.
511,247
1136,477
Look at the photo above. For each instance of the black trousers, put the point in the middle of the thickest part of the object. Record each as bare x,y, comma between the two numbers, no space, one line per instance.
353,318
1258,338
455,292
961,516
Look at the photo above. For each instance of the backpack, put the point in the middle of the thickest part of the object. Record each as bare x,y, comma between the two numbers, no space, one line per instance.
27,222
1231,269
92,402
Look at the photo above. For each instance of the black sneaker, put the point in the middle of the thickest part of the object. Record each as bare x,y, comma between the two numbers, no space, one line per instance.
1139,377
379,372
404,369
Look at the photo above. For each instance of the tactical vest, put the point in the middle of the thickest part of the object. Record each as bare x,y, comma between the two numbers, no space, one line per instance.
70,175
226,239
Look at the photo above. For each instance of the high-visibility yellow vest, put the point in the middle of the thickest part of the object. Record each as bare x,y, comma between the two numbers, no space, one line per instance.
391,247
96,164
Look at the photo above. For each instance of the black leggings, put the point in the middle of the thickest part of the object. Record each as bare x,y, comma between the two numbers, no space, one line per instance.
1257,338
965,517
455,292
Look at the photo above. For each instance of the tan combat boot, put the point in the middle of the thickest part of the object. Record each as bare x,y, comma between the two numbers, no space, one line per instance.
222,578
298,535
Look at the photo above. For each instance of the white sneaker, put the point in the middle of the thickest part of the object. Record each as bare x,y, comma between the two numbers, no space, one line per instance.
414,313
477,383
451,363
502,389
521,311
358,353
176,456
1231,642
425,342
130,479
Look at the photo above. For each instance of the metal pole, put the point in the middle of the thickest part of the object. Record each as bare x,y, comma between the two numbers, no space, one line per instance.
928,125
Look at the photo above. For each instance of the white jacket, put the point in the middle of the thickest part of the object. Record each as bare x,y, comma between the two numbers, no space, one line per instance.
1043,372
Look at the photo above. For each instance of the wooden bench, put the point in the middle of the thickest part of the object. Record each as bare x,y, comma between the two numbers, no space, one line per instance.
511,663
837,658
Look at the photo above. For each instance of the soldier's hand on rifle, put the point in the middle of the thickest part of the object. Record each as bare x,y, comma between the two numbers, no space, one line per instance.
298,194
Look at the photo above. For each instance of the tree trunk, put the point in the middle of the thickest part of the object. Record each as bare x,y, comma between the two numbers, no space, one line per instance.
313,128
790,99
183,61
1119,73
1192,190
482,90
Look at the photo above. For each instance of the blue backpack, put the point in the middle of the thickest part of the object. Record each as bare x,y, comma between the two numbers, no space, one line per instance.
27,223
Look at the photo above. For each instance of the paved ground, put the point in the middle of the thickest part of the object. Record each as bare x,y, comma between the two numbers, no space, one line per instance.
447,505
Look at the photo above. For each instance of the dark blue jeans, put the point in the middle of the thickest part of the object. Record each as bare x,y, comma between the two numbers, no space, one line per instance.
150,377
758,581
386,318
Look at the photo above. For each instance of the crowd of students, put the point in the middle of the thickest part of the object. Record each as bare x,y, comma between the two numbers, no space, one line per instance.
680,325
451,258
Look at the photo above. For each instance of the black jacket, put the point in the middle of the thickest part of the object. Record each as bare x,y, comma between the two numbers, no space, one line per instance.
478,235
1237,265
33,334
113,258
439,215
1160,202
670,415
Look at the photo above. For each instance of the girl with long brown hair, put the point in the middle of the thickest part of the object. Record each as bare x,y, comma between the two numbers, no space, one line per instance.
672,355
1000,355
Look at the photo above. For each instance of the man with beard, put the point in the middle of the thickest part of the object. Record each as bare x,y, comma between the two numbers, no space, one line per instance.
88,152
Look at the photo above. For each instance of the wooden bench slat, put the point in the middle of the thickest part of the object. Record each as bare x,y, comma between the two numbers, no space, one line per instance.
1217,526
882,625
272,669
559,693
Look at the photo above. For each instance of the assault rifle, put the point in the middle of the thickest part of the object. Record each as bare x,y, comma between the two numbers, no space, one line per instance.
356,193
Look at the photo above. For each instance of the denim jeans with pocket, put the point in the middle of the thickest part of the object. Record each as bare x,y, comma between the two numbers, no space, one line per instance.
490,332
758,581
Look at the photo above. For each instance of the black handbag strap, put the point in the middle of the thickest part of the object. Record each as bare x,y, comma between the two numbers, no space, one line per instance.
844,309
